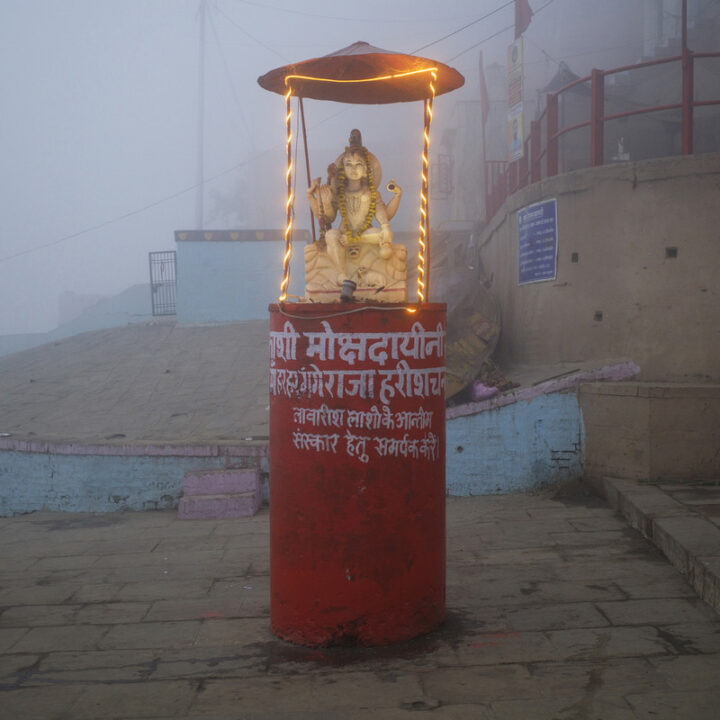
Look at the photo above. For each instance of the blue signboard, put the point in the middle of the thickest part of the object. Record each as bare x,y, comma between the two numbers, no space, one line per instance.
537,242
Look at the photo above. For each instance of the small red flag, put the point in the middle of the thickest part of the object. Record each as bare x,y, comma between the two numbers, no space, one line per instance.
523,15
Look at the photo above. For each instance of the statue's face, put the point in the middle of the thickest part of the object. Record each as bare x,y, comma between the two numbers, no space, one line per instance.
354,167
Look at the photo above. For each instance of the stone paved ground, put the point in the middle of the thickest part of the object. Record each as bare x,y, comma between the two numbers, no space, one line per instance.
557,610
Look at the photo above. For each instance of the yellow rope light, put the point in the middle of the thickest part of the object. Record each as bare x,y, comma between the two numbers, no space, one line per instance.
423,240
290,199
424,174
431,70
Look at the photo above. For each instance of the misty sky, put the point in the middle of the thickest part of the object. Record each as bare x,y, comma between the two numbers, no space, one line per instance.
99,124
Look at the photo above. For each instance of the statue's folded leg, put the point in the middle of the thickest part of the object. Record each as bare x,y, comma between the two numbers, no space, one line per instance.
377,237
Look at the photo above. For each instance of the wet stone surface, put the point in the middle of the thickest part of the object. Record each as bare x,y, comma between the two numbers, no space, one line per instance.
556,609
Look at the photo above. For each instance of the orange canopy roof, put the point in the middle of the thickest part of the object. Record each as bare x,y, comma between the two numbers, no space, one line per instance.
363,74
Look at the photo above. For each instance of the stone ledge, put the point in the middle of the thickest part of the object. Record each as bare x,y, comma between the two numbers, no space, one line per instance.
690,543
258,448
657,390
575,381
222,481
213,507
641,505
711,580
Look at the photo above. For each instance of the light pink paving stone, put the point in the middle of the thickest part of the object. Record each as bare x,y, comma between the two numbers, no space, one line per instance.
206,507
228,481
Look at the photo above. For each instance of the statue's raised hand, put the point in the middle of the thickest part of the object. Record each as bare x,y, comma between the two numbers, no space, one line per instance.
394,188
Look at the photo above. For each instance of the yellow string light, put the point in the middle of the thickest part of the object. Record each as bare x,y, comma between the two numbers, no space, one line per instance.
290,199
423,227
423,240
431,70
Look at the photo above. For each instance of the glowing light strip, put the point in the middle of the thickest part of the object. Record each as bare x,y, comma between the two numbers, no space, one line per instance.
432,70
424,229
423,240
290,199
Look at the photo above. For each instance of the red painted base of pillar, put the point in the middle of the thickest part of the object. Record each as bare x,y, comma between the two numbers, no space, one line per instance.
357,473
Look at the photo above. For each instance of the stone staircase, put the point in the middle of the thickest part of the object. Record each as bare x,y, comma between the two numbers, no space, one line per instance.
221,493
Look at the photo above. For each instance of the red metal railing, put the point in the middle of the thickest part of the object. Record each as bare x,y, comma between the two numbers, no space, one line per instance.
541,157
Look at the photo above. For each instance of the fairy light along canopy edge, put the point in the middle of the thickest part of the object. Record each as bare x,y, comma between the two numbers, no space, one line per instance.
362,74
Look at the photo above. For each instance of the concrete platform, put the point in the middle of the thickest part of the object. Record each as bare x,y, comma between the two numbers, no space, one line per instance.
662,432
557,610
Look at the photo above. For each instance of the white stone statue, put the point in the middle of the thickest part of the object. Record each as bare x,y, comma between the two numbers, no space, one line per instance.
359,255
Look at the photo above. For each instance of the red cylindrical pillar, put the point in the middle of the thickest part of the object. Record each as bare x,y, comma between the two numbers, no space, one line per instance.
357,472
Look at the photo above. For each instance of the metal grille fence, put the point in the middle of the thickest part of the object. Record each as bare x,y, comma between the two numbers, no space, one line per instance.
163,281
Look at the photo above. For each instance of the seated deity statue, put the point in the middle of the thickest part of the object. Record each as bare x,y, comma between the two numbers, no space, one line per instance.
358,254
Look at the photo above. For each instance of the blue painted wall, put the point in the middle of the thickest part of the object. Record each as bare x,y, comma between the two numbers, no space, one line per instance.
512,448
226,281
95,483
515,447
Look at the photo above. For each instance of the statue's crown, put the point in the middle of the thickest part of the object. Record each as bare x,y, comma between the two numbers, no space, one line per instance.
355,138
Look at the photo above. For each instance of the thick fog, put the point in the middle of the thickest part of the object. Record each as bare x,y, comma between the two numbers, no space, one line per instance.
99,125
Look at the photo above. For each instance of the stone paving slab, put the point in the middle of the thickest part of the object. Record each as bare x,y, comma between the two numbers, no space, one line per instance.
556,611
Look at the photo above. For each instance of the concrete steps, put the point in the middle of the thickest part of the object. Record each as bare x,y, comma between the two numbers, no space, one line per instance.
683,531
215,494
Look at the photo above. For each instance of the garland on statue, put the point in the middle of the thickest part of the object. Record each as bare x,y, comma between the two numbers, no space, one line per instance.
354,237
322,220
